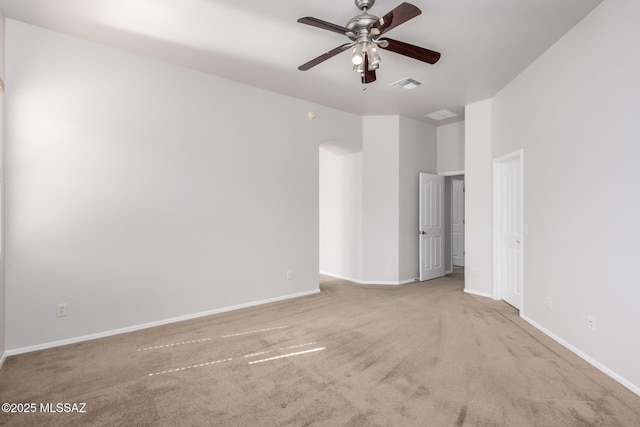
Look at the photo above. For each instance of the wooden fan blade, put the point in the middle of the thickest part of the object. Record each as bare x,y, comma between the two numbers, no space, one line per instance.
406,49
368,76
324,57
319,23
397,16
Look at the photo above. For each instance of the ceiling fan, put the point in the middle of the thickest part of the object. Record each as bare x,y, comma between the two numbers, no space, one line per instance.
364,31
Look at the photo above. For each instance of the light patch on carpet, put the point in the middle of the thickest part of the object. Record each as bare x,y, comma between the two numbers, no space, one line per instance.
253,332
174,344
184,368
279,349
288,355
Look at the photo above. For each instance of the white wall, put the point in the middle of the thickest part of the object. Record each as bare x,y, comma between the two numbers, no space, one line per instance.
575,113
2,230
369,201
477,199
380,171
2,42
418,147
341,214
451,147
139,191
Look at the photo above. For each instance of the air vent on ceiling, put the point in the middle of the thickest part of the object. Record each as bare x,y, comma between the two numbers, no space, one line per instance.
441,115
406,83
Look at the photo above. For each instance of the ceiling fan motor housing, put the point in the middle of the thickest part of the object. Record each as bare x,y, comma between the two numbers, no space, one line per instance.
360,25
361,4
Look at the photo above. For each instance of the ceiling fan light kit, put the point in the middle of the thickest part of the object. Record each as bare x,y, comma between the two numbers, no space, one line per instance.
358,55
364,33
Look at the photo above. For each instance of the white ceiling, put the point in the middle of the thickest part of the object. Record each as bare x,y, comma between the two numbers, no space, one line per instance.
484,44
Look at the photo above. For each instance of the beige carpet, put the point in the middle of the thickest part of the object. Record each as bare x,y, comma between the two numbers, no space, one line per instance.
422,354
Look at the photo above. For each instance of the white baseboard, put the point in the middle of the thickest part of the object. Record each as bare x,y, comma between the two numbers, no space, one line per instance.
619,378
338,276
395,283
363,282
2,359
74,340
478,293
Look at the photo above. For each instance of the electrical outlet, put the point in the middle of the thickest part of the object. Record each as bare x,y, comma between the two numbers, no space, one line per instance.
591,323
61,310
548,303
289,275
474,271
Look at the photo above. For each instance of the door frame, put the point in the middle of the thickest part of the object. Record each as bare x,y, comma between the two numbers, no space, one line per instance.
497,222
453,181
448,269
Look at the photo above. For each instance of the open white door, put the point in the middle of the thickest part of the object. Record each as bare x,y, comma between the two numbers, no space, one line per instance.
431,226
509,229
457,222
